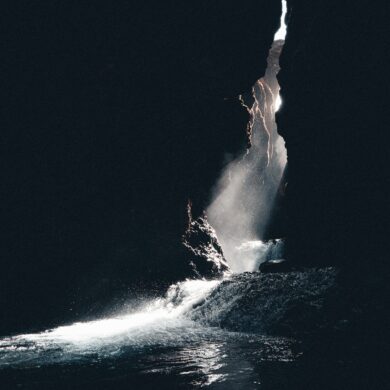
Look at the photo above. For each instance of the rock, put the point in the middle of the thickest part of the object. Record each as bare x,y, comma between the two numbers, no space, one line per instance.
273,303
204,253
278,265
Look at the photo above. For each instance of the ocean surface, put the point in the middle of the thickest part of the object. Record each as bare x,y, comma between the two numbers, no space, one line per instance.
201,334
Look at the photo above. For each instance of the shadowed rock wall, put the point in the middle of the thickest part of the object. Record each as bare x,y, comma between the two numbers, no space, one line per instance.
334,81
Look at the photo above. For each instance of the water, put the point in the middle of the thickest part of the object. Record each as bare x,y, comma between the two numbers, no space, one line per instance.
253,253
185,355
238,332
158,343
203,333
243,197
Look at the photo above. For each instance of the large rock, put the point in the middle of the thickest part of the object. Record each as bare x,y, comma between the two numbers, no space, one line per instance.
204,253
275,265
272,303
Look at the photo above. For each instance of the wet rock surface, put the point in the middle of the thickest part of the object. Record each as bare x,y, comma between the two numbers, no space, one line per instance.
272,303
204,253
277,265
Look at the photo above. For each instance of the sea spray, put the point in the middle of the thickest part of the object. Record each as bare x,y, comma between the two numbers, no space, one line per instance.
244,195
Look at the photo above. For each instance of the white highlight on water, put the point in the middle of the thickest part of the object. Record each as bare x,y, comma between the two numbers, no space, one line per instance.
159,315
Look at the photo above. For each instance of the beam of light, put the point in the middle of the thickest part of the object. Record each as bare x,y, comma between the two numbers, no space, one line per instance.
277,103
244,195
281,33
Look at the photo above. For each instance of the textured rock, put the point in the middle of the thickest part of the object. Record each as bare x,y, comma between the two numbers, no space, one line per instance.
277,265
274,303
204,253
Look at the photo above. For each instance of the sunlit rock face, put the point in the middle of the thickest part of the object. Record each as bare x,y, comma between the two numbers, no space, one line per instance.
246,194
204,253
333,79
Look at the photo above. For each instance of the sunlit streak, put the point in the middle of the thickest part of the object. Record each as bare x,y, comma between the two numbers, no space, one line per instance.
244,195
277,103
281,33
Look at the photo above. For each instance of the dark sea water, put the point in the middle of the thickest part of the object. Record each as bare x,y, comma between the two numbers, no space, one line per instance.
193,357
175,343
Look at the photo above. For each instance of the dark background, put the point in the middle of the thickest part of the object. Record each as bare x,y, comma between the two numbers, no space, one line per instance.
335,120
113,114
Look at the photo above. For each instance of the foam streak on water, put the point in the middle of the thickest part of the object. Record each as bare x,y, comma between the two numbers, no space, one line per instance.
152,324
202,333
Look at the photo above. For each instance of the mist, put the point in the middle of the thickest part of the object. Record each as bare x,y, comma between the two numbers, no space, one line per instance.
243,197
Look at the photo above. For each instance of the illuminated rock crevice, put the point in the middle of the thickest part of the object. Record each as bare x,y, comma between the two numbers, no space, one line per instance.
244,197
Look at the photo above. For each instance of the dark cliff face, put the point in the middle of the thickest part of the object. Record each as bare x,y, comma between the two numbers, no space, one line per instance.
114,115
334,77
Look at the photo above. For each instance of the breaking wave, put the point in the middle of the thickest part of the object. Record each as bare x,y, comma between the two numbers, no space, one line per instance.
192,310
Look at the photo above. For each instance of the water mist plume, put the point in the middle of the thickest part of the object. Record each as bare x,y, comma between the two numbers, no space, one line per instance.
245,193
